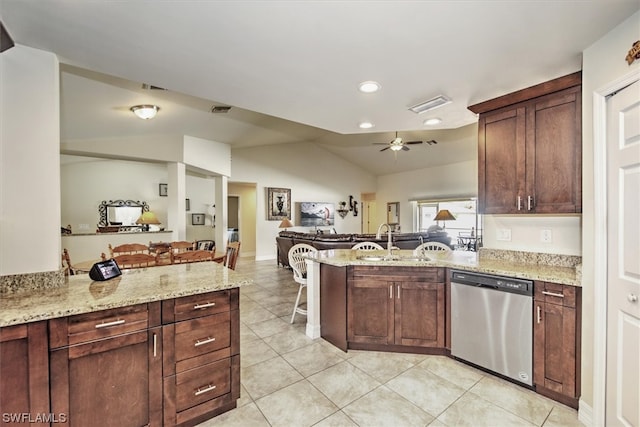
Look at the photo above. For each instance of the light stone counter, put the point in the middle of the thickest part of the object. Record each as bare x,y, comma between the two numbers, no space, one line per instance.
79,294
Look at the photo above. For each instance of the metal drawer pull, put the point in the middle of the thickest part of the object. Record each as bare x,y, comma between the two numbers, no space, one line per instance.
155,345
552,294
203,342
205,305
107,324
519,202
398,290
539,314
390,291
204,390
529,203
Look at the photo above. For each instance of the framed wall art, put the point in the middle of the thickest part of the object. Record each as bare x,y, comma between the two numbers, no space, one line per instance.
318,214
163,189
197,219
278,203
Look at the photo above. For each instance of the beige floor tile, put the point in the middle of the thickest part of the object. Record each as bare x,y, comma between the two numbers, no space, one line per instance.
515,399
269,327
289,340
255,352
266,377
383,366
473,411
343,383
339,419
246,334
283,310
453,371
426,390
563,416
314,358
383,407
245,398
248,415
299,405
255,315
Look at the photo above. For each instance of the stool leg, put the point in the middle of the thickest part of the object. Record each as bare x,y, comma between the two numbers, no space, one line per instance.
295,307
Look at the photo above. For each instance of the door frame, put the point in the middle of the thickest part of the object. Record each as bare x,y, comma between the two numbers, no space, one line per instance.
600,241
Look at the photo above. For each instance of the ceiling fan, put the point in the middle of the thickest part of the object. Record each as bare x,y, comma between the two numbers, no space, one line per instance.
397,144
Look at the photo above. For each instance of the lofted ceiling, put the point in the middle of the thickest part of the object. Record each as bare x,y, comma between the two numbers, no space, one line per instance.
290,69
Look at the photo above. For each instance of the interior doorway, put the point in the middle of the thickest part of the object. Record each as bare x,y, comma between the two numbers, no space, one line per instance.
233,218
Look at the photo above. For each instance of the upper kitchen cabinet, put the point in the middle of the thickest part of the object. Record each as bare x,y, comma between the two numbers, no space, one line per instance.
530,149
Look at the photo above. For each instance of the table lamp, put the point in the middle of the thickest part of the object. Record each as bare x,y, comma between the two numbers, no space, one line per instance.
147,218
285,224
444,215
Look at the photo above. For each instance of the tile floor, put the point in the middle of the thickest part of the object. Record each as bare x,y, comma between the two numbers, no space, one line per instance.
289,379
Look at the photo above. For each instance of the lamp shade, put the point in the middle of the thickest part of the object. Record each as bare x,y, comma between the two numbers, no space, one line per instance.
145,112
148,218
285,224
444,215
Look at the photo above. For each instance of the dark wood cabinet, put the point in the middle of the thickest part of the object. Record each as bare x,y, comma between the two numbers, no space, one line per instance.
201,352
24,376
399,306
530,150
556,341
106,367
333,305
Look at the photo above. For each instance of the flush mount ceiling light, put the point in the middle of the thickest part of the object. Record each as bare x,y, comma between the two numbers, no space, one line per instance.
436,102
145,112
365,125
369,87
433,121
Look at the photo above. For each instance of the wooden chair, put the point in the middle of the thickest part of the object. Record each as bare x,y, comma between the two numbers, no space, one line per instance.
367,246
181,246
68,269
231,255
128,249
205,245
139,260
192,256
299,266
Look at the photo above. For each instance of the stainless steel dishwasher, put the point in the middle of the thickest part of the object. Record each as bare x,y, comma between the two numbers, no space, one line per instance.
492,323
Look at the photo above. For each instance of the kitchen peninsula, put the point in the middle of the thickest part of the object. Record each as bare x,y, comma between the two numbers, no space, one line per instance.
158,345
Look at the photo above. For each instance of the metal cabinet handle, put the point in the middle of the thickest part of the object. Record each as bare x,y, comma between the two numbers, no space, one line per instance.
529,203
155,345
552,294
208,388
205,305
107,324
390,291
519,203
632,298
398,291
539,314
203,342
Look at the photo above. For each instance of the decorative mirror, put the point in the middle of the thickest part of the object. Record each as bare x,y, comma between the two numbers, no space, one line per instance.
393,213
120,212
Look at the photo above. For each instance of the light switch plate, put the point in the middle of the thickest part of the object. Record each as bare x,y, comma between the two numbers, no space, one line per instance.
546,236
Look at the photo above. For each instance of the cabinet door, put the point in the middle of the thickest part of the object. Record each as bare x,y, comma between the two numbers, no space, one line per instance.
24,374
370,311
110,382
501,160
419,314
554,153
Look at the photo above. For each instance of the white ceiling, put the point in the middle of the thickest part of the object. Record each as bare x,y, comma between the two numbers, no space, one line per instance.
290,69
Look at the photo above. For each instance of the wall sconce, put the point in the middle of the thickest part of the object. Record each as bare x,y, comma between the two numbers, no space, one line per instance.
145,112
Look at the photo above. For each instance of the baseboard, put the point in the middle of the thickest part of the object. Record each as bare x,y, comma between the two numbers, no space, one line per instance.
585,413
265,257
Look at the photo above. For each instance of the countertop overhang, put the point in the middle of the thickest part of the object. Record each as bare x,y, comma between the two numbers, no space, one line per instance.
79,294
462,260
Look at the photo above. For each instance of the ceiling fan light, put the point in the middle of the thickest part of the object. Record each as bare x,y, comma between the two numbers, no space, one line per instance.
145,112
369,86
396,147
436,102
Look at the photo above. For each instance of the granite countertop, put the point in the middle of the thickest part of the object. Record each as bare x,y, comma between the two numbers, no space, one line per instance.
79,294
544,267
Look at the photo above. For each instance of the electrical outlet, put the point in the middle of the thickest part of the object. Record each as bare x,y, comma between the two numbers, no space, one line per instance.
504,234
546,236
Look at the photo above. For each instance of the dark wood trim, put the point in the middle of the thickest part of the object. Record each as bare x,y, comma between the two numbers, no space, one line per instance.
399,348
333,305
529,93
559,397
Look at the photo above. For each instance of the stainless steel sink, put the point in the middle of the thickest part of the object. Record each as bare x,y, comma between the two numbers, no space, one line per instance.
395,258
372,258
415,258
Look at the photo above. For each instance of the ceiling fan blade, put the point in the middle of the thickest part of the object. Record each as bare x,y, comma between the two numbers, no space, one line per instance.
386,148
380,143
413,142
431,142
405,148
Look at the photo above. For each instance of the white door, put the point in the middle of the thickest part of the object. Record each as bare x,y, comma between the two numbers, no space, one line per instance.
623,263
369,217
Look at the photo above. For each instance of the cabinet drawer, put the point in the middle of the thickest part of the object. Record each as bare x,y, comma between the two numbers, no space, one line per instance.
406,274
88,327
201,384
555,293
203,335
195,306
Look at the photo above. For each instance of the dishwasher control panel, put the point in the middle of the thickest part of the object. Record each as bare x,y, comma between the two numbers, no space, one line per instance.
501,283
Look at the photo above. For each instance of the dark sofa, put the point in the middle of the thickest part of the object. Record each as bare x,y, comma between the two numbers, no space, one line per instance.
321,241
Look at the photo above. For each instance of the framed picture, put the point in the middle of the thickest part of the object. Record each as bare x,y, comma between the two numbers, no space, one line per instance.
279,204
187,205
316,214
197,219
163,189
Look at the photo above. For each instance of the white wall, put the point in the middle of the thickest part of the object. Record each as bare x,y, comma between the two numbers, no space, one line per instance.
603,63
29,159
313,175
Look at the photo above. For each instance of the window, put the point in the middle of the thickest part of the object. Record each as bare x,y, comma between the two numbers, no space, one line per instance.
468,222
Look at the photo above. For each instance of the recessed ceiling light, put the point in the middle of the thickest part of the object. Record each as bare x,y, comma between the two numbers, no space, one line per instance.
432,121
436,102
365,125
369,86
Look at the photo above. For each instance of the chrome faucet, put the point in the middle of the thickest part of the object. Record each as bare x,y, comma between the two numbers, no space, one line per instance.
390,246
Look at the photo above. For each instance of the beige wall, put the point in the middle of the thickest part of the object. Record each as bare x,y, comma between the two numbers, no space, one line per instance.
603,63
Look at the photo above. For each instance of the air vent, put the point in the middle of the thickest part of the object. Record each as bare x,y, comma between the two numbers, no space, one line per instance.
151,87
436,102
216,109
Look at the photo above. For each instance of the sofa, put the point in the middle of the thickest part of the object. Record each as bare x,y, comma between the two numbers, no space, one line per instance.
321,241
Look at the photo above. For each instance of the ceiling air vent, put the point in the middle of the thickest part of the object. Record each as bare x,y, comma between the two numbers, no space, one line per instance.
216,109
151,87
436,102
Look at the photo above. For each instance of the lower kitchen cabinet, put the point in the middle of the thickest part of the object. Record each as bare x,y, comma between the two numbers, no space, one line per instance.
556,341
396,306
106,367
24,374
